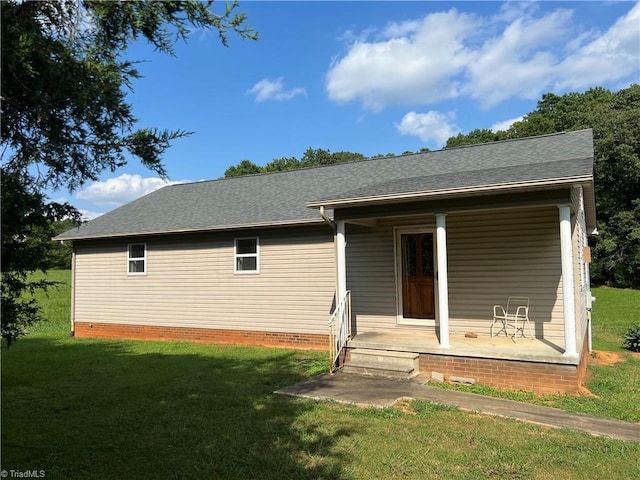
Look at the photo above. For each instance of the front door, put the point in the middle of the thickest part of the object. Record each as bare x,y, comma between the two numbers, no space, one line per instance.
418,298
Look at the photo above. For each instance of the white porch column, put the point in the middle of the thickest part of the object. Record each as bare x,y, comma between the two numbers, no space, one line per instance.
568,297
341,260
443,282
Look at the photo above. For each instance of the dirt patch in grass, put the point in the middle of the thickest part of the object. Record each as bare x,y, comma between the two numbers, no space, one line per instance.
404,405
602,358
585,392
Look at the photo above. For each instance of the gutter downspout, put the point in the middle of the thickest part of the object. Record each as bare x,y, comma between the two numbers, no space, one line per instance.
324,216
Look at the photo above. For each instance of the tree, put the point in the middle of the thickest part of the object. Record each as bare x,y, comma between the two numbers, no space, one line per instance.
245,167
343,157
59,254
310,158
65,114
281,165
474,137
27,221
615,120
616,127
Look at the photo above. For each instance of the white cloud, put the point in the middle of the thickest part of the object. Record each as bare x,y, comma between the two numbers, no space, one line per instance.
510,11
505,124
613,56
119,190
402,29
516,63
417,63
267,89
87,215
520,52
431,126
351,36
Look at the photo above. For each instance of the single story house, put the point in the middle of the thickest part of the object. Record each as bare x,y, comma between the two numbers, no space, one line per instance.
403,254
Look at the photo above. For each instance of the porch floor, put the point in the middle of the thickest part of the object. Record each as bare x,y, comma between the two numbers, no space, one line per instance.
522,349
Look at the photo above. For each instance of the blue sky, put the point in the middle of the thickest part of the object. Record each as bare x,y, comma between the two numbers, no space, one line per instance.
368,77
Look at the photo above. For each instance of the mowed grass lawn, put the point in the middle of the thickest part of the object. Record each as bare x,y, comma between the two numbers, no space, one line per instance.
91,409
613,376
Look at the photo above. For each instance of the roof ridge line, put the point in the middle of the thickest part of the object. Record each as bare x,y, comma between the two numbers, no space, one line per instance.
369,159
518,139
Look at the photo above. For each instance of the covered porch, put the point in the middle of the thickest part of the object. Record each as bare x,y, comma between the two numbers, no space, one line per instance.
435,276
417,282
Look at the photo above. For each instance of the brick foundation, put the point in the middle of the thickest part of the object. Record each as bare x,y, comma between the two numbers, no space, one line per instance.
537,377
540,378
202,335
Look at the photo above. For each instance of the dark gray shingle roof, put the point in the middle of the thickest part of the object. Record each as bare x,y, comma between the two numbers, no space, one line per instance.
499,176
281,198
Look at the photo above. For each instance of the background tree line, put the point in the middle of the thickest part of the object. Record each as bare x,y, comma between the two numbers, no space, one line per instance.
615,120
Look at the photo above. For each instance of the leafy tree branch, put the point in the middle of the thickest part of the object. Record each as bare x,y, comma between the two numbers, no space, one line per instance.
65,114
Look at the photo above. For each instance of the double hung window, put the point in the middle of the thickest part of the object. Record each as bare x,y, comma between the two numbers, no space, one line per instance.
137,259
246,255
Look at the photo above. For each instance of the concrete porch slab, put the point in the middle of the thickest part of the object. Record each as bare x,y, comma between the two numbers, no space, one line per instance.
504,348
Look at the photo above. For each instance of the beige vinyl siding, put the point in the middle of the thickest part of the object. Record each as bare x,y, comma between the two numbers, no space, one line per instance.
500,254
190,282
371,277
491,255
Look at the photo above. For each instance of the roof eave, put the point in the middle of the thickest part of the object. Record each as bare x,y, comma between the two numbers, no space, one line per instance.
284,223
454,192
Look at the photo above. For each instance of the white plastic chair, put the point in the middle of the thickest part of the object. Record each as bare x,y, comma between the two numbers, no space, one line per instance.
515,316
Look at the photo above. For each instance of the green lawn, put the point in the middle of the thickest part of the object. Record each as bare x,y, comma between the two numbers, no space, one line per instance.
614,311
616,387
92,409
55,305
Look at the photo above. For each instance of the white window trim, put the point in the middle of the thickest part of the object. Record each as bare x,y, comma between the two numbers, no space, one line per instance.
130,259
400,318
237,255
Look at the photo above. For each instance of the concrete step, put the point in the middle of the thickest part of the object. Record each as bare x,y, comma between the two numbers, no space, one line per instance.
382,363
379,370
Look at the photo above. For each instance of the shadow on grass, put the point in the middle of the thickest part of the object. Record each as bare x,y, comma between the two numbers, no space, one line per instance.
98,409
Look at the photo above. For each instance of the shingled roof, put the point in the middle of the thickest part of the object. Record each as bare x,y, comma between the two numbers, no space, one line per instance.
285,198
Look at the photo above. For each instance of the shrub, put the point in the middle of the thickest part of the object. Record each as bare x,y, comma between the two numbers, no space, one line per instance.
632,338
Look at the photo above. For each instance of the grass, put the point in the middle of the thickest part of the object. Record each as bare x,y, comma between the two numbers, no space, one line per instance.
55,305
614,311
97,409
615,387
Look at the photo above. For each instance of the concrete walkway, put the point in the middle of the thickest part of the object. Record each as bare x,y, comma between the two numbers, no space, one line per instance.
369,391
